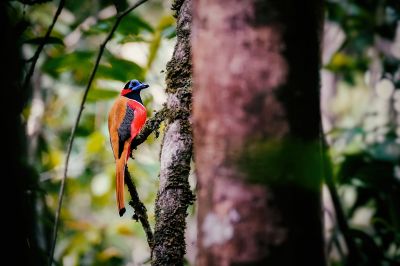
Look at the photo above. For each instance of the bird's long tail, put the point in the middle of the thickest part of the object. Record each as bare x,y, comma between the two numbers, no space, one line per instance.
120,171
120,175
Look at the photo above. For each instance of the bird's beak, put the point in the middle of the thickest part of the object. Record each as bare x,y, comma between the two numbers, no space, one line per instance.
144,86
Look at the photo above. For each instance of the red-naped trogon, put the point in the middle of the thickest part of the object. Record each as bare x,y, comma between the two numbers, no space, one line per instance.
125,120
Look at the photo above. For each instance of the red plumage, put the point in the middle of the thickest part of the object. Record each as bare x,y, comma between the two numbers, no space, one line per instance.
125,120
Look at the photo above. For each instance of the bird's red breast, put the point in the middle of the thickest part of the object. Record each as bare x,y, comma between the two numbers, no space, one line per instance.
140,116
125,121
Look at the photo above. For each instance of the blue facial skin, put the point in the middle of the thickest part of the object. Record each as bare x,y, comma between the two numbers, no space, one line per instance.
136,85
132,90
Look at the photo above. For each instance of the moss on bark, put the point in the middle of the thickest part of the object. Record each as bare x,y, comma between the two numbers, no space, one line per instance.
174,194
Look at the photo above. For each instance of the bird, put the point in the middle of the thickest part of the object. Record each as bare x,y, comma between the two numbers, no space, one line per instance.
125,120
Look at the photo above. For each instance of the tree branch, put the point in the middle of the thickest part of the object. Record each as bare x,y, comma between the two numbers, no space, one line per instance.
343,226
120,16
174,194
140,214
139,208
41,45
152,125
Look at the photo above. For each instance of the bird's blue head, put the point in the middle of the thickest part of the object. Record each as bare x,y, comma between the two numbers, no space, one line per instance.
133,85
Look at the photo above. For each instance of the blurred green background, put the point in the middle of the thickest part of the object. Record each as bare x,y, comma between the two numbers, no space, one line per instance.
360,102
91,231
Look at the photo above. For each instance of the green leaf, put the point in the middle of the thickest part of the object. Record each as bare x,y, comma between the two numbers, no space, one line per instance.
95,142
50,40
167,27
153,48
165,23
370,251
169,32
102,26
133,24
130,25
80,63
132,38
119,69
95,95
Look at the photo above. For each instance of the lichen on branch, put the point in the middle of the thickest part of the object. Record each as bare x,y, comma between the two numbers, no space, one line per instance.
174,195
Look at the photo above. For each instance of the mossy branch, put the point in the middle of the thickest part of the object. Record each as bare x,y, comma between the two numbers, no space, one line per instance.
152,125
174,195
119,18
139,209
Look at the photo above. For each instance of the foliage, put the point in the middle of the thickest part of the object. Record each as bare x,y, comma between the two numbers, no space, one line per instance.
365,136
91,232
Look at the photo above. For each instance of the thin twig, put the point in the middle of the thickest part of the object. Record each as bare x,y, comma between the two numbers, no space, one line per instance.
152,125
139,208
127,11
340,216
334,239
339,249
120,16
41,46
334,230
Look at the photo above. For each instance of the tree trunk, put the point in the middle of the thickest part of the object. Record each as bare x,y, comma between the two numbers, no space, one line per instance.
19,180
256,132
174,194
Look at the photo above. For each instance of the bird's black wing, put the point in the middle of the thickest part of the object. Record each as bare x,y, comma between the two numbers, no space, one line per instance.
124,130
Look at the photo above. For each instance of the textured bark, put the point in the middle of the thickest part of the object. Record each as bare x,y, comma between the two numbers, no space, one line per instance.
174,194
256,130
